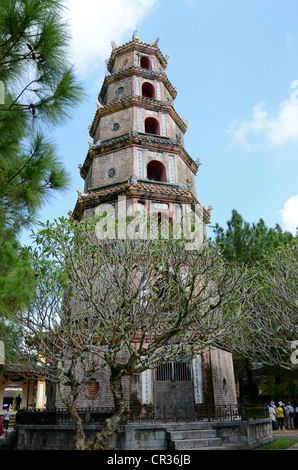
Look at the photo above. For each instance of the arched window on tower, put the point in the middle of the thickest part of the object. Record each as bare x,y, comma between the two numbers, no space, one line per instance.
148,90
152,126
145,62
156,171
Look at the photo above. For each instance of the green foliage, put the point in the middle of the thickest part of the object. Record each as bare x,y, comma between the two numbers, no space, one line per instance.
279,444
271,254
254,412
41,89
248,244
279,383
16,273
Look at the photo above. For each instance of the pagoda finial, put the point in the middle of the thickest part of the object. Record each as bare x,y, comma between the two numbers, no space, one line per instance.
135,35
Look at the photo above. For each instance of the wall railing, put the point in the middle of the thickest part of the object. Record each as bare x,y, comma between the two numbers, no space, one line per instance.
155,414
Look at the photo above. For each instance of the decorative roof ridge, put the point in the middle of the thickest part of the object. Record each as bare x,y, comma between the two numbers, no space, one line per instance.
142,136
129,71
127,99
135,42
135,184
136,67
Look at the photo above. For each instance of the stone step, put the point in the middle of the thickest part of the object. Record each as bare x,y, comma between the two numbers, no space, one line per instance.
192,434
198,435
196,444
210,448
189,426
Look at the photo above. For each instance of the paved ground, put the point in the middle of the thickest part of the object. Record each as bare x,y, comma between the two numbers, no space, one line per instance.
288,434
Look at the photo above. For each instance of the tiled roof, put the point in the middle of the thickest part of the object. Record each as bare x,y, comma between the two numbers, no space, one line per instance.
135,187
136,43
135,100
135,70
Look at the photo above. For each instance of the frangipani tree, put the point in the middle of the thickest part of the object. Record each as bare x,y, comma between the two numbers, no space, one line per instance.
127,305
272,325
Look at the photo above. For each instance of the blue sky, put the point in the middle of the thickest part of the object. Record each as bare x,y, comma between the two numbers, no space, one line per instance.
235,65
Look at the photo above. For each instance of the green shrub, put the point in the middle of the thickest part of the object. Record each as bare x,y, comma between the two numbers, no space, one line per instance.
249,412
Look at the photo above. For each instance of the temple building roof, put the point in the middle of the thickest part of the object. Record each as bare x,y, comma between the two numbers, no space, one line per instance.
146,189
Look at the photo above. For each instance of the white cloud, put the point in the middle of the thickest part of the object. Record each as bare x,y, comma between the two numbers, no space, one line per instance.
276,130
289,215
94,23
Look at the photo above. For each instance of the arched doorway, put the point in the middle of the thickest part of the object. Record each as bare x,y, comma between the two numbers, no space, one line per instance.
9,394
148,90
145,62
156,171
152,126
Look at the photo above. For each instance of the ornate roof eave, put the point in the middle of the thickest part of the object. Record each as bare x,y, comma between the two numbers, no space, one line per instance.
134,70
137,101
139,46
137,138
135,188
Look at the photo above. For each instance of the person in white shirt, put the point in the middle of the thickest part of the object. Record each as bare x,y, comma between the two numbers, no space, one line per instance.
6,417
289,421
272,416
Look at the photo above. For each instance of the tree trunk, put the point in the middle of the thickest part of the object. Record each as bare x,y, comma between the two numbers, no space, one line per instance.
79,431
69,402
250,384
111,425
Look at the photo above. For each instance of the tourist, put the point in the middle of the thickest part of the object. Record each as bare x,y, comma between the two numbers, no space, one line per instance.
6,417
272,415
18,402
280,416
295,406
289,416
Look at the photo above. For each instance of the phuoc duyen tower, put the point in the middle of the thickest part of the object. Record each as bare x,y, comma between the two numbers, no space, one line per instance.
136,151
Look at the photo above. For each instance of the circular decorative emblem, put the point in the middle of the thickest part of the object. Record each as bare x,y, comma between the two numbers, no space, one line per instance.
116,126
92,389
120,90
111,172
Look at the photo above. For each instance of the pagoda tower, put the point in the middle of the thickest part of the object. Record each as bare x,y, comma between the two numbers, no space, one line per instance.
136,152
136,144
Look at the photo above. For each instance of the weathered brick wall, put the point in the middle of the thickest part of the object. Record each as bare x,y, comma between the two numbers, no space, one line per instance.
121,161
124,162
123,61
105,129
120,89
103,398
